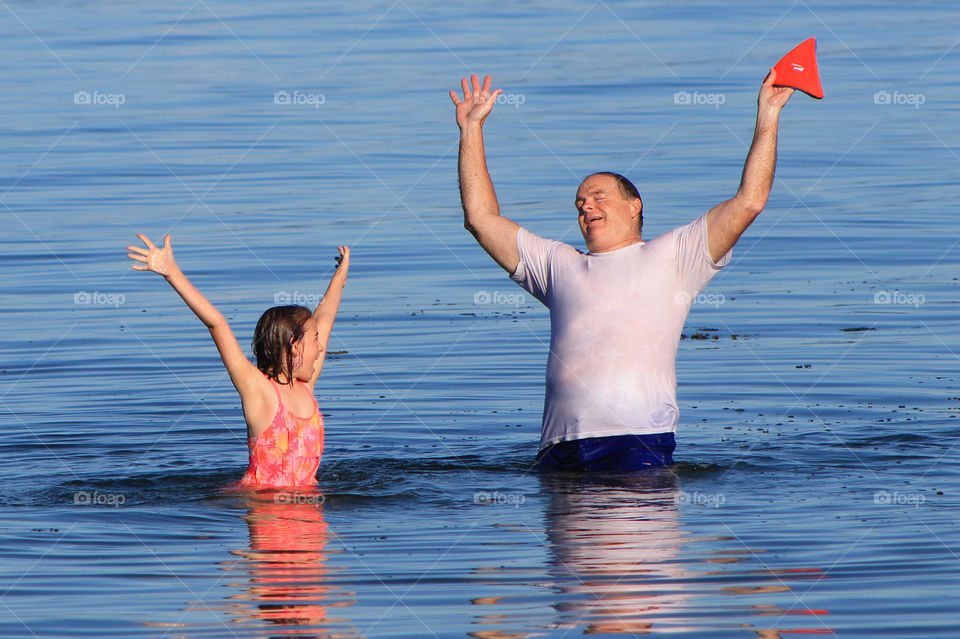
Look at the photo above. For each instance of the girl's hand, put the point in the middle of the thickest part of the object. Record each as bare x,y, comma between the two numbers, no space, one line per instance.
152,258
343,260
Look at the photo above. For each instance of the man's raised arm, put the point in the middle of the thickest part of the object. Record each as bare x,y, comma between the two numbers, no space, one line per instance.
727,221
481,213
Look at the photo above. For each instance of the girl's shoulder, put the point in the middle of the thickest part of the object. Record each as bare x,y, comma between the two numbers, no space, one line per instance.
260,404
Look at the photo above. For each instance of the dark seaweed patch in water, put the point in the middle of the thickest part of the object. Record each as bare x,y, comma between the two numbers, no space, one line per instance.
353,480
344,478
135,490
517,460
900,439
697,469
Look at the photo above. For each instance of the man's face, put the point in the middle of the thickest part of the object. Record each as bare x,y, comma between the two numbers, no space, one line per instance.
607,220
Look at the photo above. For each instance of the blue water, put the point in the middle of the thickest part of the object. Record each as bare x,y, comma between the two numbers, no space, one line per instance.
817,484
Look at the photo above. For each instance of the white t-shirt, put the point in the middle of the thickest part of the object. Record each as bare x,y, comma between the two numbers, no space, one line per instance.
615,322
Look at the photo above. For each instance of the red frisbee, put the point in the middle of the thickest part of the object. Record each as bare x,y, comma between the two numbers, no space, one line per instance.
798,69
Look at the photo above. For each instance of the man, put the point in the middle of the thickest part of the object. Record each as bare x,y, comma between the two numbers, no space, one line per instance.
616,312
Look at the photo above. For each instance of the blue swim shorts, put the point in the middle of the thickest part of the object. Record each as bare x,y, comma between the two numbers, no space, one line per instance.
615,454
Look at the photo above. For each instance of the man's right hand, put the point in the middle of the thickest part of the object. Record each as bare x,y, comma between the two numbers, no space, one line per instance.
477,101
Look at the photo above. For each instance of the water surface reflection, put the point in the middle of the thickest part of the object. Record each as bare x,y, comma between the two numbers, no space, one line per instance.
621,561
614,543
287,568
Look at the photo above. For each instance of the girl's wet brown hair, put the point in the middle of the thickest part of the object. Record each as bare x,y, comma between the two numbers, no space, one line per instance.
278,329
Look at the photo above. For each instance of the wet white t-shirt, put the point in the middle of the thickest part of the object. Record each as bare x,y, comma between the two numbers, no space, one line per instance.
615,322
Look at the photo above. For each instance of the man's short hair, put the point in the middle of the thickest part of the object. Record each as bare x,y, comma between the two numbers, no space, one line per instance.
627,190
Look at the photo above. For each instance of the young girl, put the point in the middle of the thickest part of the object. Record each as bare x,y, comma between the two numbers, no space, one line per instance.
284,425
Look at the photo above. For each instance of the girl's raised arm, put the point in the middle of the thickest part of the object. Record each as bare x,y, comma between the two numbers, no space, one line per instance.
246,378
326,311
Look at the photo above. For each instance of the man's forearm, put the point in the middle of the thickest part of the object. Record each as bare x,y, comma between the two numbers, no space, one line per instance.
727,221
758,170
476,189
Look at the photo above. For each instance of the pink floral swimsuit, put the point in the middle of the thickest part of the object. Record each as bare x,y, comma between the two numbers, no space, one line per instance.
288,452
